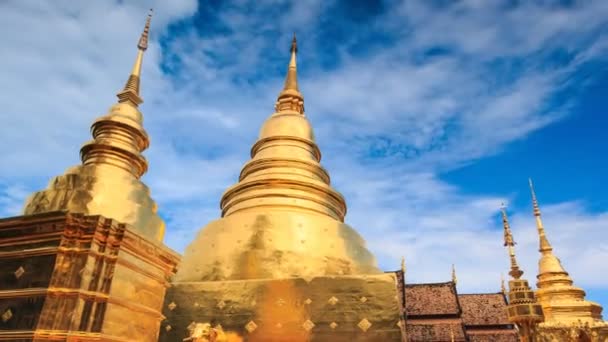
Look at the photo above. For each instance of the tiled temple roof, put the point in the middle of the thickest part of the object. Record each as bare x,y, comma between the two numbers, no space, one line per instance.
438,299
436,330
484,309
493,336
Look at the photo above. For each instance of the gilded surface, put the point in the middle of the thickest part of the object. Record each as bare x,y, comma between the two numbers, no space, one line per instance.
78,277
291,309
562,302
108,181
282,219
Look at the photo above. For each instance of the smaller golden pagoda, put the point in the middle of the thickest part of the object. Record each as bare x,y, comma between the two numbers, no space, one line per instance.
523,310
86,261
568,315
108,182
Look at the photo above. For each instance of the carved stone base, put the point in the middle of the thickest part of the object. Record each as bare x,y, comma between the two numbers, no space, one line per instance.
337,308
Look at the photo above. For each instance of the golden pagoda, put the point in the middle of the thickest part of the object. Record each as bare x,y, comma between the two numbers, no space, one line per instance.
568,315
281,264
112,160
523,308
87,255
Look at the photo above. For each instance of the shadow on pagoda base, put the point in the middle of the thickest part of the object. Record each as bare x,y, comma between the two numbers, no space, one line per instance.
326,308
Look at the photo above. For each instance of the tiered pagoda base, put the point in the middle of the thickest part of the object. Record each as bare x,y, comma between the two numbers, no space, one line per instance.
328,308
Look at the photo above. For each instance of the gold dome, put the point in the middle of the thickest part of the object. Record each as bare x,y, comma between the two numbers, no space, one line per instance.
287,124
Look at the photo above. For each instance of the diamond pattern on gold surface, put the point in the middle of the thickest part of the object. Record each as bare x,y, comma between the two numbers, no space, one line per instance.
364,325
251,326
191,326
19,272
168,328
221,304
308,325
333,325
7,315
363,299
400,324
332,300
172,306
308,301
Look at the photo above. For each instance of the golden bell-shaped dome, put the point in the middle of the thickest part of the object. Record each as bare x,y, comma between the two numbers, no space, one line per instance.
282,219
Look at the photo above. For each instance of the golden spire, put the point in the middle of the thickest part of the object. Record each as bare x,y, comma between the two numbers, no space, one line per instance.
130,93
515,272
561,300
454,280
403,265
523,308
545,246
290,99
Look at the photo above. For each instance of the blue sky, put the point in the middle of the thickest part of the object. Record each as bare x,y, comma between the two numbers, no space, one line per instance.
429,114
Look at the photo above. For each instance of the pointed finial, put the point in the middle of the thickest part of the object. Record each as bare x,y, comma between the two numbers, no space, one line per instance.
545,246
534,200
503,289
403,265
510,244
508,236
290,98
454,280
143,40
294,44
130,93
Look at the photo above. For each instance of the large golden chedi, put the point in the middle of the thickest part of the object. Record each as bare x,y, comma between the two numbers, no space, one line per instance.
283,218
281,264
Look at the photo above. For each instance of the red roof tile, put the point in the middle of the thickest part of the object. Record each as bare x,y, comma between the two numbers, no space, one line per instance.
431,299
483,309
435,331
494,336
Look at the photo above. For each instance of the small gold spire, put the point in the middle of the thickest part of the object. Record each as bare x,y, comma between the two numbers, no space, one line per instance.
143,40
503,288
291,82
290,98
454,280
403,265
545,246
130,93
515,272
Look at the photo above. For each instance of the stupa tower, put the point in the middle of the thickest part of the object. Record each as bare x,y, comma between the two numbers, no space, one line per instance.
280,264
87,255
283,218
564,305
523,309
108,180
